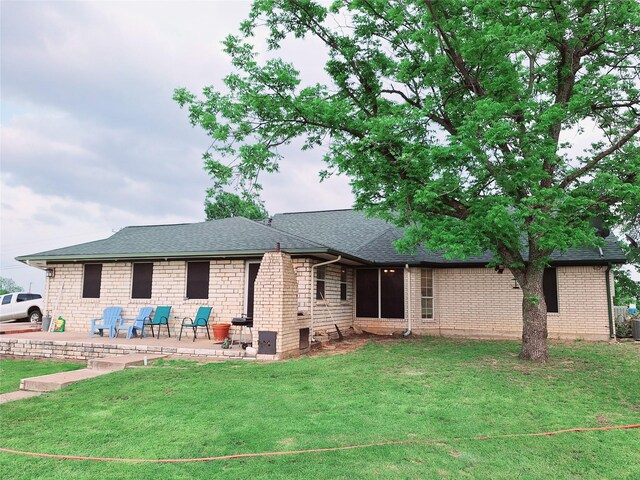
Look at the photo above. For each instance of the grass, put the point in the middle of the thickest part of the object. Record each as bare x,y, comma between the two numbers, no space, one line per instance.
390,390
12,371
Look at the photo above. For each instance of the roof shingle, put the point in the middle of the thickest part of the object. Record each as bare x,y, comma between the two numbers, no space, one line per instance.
346,232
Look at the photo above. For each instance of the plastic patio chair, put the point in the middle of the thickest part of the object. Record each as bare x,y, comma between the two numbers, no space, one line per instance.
133,325
201,320
161,317
108,321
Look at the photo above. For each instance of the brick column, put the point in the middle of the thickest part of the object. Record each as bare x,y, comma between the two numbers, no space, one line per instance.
276,302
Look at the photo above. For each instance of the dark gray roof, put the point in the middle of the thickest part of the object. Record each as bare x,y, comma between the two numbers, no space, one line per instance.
346,232
372,239
227,237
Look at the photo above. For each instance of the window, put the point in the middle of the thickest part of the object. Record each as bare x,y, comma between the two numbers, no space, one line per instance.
426,292
6,299
321,274
142,280
380,293
343,283
28,296
392,293
367,301
24,297
92,280
197,279
550,289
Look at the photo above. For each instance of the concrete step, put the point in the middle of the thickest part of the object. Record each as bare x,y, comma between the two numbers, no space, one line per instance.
96,367
18,395
56,381
121,362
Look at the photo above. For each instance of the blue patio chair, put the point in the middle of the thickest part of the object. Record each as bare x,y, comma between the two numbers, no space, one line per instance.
134,325
108,321
201,320
161,317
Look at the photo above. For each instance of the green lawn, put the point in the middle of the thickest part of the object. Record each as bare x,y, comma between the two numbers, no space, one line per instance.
12,371
428,388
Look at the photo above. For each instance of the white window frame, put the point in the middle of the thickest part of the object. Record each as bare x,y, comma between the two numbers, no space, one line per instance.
426,274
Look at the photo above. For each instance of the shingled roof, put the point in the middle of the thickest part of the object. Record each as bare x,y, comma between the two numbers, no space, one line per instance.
355,234
335,232
227,237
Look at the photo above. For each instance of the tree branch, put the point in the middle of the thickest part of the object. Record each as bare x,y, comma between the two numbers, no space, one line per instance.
605,153
471,83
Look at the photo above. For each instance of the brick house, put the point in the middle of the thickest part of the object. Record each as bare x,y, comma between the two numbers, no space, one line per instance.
332,268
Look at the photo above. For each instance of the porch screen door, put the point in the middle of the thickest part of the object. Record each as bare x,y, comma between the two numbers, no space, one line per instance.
251,279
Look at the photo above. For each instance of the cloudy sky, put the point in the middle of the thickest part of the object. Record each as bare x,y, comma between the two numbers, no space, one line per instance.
91,138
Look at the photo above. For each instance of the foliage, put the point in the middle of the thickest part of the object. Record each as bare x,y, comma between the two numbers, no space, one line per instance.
474,125
627,289
221,204
623,327
8,285
426,388
624,324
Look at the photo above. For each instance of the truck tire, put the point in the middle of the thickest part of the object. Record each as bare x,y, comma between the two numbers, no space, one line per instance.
35,316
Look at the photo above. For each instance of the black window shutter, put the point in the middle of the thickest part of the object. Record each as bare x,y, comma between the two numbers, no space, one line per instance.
92,280
142,280
550,289
198,280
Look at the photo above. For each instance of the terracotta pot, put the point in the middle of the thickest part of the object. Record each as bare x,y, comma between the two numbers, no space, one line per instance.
220,331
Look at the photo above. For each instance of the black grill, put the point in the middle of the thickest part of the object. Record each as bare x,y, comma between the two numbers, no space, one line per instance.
245,323
242,322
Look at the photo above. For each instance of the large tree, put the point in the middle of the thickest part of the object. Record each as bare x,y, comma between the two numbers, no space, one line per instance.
502,125
628,289
8,285
223,204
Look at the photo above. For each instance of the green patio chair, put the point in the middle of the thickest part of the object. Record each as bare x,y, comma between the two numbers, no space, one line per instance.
161,317
108,321
201,320
133,325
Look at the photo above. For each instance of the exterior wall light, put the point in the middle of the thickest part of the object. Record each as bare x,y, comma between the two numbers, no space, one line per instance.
51,272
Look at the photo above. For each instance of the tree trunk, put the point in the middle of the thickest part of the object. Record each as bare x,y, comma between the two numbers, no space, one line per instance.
534,318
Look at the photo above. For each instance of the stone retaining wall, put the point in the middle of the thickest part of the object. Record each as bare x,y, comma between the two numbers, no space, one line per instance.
31,348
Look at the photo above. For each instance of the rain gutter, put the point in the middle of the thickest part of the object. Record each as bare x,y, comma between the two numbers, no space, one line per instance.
607,279
409,325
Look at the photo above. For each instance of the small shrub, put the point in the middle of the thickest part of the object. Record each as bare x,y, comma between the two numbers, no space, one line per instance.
623,327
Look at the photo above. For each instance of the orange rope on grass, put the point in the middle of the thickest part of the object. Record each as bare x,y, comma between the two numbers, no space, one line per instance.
314,450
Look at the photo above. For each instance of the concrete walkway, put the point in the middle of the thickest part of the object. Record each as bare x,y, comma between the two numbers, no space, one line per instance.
19,327
17,395
33,386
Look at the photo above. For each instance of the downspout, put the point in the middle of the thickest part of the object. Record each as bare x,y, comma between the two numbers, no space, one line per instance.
408,332
612,331
311,299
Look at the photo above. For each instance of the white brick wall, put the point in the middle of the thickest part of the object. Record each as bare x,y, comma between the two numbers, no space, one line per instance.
478,302
332,310
468,301
226,292
276,303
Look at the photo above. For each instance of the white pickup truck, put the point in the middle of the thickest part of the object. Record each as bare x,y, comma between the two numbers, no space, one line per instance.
19,305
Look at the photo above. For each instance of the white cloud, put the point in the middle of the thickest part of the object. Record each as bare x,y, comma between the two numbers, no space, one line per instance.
91,138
